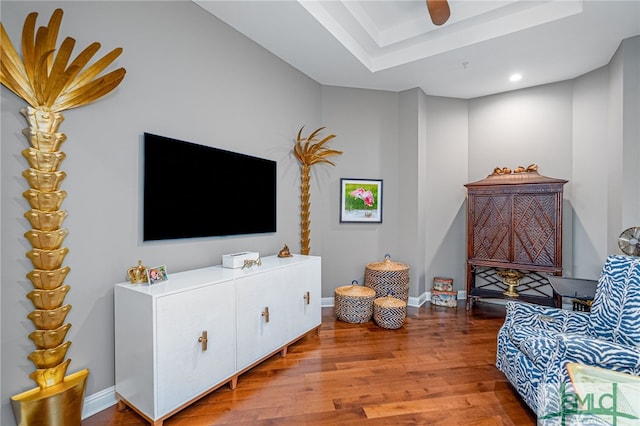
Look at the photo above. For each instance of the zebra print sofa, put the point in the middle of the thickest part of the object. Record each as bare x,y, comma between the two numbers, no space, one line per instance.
535,342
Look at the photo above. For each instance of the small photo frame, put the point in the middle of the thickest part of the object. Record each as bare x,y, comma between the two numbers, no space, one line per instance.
157,274
360,200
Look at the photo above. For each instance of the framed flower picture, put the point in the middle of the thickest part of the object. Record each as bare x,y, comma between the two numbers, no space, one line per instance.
157,274
361,200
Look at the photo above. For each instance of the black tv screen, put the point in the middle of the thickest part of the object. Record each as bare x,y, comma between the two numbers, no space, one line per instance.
193,190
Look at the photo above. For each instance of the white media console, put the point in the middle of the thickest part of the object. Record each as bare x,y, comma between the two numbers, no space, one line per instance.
178,340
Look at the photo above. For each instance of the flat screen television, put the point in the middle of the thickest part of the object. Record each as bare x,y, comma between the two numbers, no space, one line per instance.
193,190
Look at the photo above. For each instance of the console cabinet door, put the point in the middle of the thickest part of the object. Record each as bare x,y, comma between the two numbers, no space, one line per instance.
185,369
259,333
303,293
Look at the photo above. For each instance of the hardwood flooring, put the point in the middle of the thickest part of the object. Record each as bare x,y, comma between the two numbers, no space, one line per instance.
438,369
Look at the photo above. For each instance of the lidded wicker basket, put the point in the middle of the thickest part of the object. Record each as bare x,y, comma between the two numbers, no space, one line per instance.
354,303
389,312
388,277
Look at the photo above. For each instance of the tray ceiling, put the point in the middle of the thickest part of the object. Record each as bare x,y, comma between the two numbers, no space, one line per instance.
392,45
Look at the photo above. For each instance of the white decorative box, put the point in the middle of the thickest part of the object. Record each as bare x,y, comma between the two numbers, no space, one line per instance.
236,260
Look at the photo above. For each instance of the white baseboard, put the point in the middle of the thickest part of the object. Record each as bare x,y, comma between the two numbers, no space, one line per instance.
327,302
413,301
420,300
99,401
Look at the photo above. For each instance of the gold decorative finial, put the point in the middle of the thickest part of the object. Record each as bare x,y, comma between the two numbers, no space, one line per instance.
531,168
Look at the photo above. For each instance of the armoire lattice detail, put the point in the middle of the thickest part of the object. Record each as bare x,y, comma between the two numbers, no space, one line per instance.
514,221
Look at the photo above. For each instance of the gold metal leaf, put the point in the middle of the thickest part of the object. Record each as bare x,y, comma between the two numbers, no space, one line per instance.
48,280
43,79
49,377
49,358
47,339
48,299
49,319
28,48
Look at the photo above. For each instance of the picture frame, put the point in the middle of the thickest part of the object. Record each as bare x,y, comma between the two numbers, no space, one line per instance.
360,200
157,274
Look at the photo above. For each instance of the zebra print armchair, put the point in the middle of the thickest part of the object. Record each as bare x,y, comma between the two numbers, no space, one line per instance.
535,342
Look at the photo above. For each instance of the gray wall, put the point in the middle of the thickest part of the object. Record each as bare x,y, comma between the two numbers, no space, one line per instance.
191,77
530,126
366,123
589,153
624,118
446,161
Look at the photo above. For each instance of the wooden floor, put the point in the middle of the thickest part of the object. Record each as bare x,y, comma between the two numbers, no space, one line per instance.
438,369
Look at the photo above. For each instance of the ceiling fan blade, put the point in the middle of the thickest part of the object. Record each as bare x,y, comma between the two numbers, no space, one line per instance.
439,11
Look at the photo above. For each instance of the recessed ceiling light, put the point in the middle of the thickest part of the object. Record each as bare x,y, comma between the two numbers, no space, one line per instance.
515,77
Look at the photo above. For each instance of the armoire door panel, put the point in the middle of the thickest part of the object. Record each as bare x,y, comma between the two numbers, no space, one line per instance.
535,229
491,227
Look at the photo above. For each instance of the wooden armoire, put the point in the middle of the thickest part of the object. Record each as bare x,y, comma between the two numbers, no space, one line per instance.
514,236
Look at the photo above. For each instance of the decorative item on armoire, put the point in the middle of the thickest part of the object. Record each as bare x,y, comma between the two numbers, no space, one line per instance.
49,84
309,151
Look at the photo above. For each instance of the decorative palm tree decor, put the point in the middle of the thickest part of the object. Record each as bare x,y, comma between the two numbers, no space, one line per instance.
50,84
309,151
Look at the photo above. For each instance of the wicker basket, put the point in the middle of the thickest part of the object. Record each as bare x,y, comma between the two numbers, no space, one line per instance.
388,278
354,303
389,312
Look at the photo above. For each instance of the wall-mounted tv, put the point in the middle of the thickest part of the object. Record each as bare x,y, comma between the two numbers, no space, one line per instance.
193,190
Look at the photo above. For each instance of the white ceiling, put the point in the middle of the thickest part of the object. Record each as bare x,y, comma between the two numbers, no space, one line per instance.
392,44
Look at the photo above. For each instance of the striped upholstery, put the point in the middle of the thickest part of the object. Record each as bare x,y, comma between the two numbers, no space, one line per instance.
616,306
535,342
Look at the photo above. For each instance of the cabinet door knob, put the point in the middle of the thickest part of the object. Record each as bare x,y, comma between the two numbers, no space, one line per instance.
203,340
265,314
307,297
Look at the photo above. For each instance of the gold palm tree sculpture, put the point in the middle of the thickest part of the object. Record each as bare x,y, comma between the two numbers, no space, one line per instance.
50,84
309,151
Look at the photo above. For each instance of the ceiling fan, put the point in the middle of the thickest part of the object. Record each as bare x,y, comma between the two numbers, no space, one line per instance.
439,11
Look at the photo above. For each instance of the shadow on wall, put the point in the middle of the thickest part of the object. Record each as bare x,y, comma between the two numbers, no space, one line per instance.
580,255
451,255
